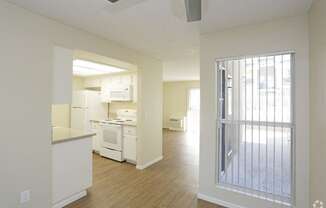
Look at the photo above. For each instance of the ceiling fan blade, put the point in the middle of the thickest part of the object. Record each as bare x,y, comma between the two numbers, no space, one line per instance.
193,10
113,1
116,6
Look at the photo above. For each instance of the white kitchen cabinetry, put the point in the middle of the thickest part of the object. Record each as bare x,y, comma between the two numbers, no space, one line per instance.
92,82
135,87
116,80
62,76
96,142
126,79
106,84
130,143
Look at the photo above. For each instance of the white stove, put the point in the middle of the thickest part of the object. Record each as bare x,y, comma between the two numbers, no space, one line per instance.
124,117
127,122
112,139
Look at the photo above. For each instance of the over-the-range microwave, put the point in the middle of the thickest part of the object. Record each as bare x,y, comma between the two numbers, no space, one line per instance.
121,93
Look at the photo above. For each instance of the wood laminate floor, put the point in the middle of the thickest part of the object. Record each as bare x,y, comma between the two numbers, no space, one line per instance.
170,183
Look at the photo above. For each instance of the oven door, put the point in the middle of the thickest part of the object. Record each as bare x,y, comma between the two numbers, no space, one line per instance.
112,136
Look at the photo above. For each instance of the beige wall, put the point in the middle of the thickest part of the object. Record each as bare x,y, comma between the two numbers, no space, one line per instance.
318,100
281,35
149,124
27,41
60,115
77,83
25,88
175,99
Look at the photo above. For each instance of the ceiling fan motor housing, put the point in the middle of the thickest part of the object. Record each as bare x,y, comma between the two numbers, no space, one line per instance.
193,10
113,1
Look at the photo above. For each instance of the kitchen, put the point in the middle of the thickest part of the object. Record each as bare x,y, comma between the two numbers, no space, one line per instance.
101,119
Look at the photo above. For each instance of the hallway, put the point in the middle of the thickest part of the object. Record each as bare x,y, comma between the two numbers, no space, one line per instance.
169,183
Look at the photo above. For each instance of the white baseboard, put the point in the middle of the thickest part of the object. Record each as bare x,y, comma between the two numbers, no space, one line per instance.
217,201
71,199
141,167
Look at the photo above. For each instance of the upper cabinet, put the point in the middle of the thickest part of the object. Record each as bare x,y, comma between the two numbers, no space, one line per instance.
135,87
106,84
92,82
62,76
126,80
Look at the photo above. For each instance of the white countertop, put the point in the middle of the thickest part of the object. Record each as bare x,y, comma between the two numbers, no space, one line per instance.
61,134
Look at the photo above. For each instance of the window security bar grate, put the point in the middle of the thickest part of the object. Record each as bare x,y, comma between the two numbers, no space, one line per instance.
255,125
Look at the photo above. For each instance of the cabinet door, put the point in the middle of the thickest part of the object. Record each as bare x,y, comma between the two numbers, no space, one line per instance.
130,148
62,76
126,79
92,82
135,87
95,127
96,141
115,80
105,97
106,84
129,131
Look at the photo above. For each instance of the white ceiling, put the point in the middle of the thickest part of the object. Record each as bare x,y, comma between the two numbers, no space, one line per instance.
230,13
159,27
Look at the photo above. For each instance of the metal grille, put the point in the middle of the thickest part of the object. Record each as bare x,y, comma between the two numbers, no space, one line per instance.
255,127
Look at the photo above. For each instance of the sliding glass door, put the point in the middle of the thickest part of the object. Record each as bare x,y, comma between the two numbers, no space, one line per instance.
255,128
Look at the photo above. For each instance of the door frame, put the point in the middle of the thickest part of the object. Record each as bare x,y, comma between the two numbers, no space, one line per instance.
260,199
188,105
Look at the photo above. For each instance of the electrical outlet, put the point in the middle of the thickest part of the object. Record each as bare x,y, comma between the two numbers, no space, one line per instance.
25,196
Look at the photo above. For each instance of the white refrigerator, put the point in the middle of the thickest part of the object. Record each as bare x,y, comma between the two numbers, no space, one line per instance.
86,106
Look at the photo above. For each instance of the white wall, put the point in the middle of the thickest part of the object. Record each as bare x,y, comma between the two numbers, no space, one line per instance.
25,110
77,83
175,99
318,100
27,41
281,35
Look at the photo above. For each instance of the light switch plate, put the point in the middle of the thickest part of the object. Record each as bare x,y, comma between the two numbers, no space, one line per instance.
25,196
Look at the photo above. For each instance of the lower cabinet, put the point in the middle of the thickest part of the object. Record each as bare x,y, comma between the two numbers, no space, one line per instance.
130,144
96,140
130,148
